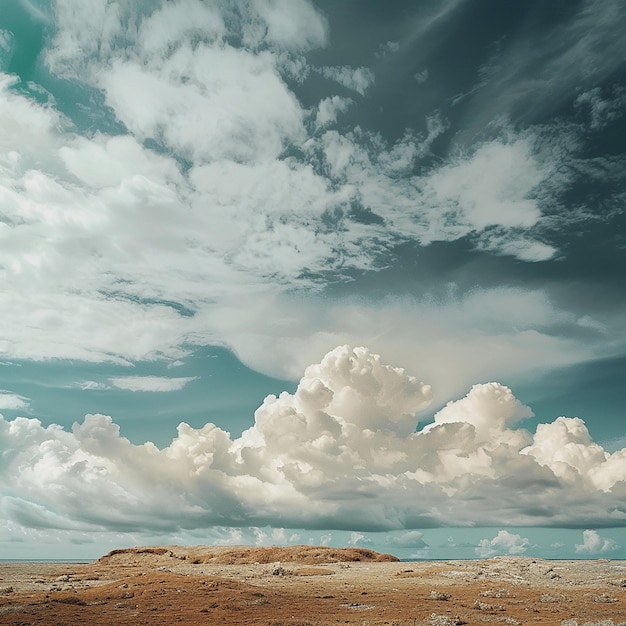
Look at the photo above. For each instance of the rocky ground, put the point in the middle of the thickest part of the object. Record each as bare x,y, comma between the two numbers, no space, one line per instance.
304,586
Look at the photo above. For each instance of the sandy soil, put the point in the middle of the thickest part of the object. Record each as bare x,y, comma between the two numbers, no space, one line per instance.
305,586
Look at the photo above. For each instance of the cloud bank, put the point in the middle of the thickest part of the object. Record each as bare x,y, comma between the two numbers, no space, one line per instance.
341,452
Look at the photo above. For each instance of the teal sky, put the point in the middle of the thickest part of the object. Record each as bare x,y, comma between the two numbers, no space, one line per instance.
277,271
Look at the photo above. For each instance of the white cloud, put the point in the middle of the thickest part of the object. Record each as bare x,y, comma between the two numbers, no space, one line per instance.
567,448
12,401
291,24
410,539
358,79
103,161
491,408
421,77
340,451
519,247
92,385
493,187
503,543
593,543
198,103
511,329
234,538
151,383
496,192
329,108
174,23
358,538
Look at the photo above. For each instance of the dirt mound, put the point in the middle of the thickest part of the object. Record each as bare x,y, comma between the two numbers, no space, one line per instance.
242,555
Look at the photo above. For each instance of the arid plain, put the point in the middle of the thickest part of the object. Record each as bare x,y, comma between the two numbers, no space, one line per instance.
309,586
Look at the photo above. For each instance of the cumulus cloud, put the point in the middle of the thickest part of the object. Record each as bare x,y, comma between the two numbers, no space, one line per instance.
593,543
490,408
503,543
151,383
342,451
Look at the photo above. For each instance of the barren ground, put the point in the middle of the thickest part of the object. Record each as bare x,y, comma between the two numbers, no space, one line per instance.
305,586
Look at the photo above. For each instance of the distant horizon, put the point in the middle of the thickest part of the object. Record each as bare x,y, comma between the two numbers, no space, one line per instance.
429,544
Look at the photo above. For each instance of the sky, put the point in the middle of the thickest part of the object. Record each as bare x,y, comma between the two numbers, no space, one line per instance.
341,272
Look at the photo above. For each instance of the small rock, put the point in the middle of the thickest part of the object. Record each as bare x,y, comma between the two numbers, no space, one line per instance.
483,606
357,605
546,597
438,595
605,597
445,620
490,593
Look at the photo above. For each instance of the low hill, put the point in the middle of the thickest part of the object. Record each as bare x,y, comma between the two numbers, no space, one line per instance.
240,555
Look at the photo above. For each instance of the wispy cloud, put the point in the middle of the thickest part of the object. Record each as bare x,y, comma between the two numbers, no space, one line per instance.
150,383
92,385
12,401
557,61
